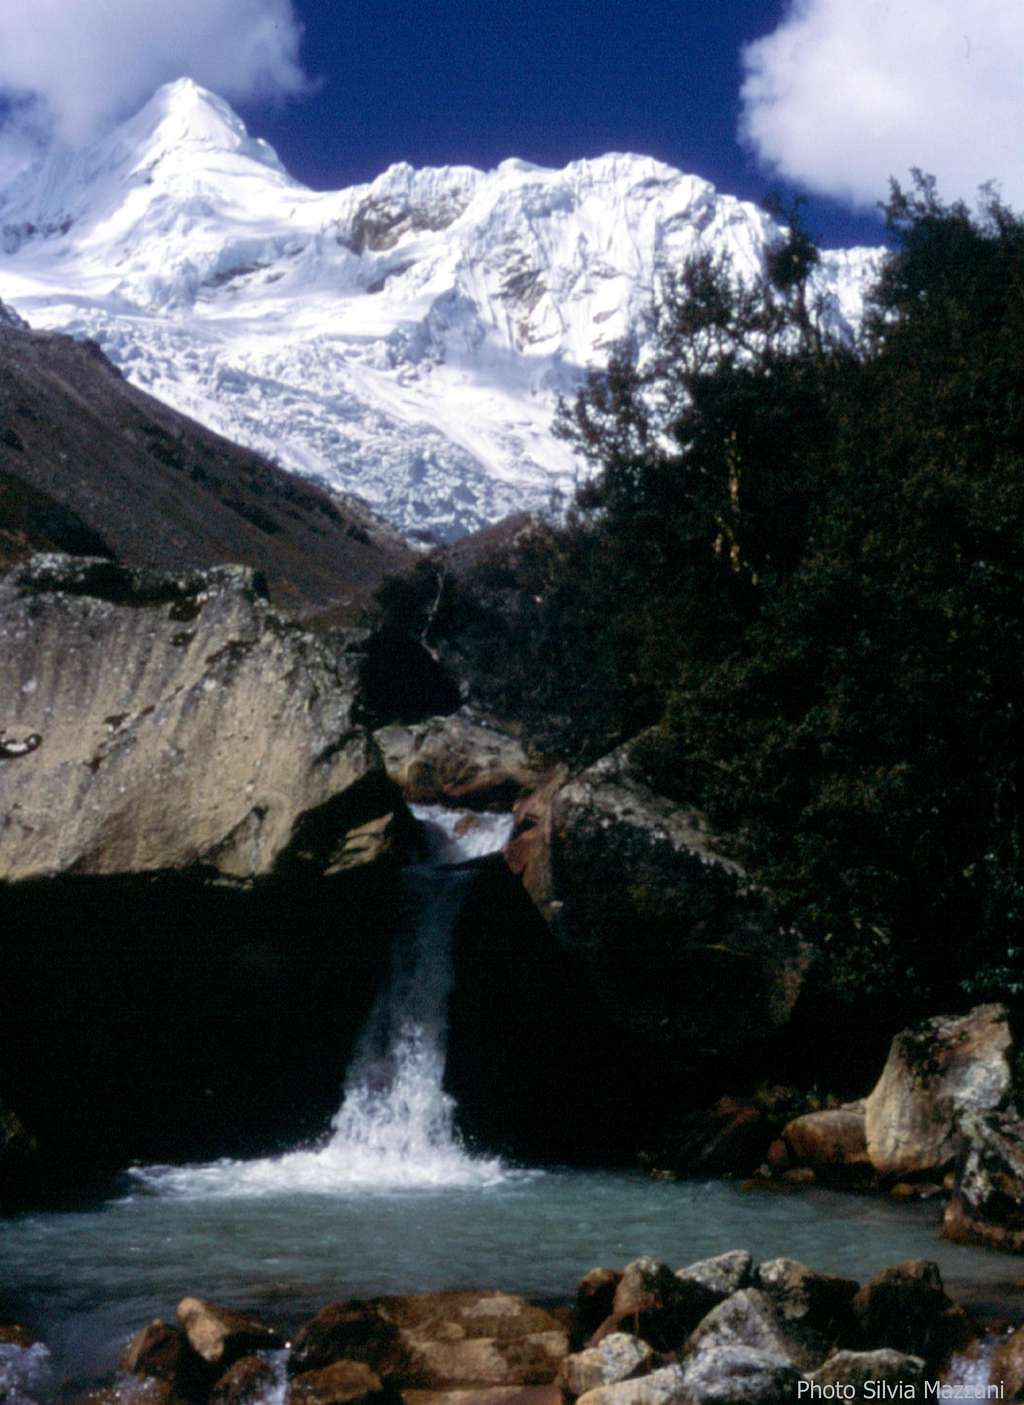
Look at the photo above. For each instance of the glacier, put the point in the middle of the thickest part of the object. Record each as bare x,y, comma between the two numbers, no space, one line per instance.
404,341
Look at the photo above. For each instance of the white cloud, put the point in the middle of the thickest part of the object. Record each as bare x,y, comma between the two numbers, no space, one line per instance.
846,93
76,65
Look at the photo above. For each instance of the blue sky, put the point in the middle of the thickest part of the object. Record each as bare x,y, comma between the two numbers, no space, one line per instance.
437,82
827,97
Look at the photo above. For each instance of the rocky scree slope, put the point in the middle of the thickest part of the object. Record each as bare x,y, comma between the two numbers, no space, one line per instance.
91,465
404,339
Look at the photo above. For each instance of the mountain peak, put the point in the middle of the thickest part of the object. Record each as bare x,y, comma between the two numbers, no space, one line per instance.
183,116
406,338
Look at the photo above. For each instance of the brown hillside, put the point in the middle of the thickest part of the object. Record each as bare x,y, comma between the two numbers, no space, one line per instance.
91,465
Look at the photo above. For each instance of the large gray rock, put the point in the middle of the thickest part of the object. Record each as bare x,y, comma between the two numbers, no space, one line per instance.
724,1274
751,1319
156,721
739,1375
725,974
619,1357
806,1298
935,1073
884,1366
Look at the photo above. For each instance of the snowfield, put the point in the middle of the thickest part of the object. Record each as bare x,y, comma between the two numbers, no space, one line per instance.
406,340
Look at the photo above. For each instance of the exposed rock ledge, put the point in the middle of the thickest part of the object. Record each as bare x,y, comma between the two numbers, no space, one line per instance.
154,721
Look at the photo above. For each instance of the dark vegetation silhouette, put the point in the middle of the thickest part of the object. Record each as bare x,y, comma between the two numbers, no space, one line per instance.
794,581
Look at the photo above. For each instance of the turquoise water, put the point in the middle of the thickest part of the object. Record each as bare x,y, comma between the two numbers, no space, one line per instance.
391,1201
85,1280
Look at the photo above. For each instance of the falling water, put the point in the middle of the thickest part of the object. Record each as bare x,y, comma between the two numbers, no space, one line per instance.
395,1128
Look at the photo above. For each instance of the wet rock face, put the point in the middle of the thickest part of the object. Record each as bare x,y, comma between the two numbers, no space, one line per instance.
157,721
935,1074
677,944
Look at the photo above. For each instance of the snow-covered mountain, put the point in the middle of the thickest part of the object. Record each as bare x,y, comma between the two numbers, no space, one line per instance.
403,340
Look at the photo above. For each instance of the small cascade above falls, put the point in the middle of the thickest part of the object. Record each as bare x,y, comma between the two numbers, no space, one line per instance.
395,1128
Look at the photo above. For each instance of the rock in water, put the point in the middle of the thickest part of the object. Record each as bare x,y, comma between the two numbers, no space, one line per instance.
935,1073
987,1206
181,722
220,1336
832,1140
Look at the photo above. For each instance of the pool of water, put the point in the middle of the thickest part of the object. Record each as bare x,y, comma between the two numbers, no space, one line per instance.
85,1280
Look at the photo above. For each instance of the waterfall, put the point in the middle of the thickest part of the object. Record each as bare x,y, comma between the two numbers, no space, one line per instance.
395,1128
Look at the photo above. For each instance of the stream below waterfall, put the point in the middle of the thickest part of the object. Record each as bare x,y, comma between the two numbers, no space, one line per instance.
391,1201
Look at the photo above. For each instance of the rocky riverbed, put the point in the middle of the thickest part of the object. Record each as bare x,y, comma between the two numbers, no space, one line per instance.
722,1331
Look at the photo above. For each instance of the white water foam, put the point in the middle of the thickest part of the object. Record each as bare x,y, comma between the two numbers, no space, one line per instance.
395,1129
970,1376
25,1374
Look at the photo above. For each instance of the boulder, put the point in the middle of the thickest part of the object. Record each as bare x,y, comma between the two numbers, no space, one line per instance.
857,1368
220,1336
820,1301
618,1357
533,1359
664,1387
347,1331
987,1205
176,721
652,1303
835,1139
437,1340
905,1308
448,1316
247,1382
684,953
750,1318
156,1350
343,1383
594,1298
161,1352
461,759
935,1073
459,1339
722,1275
739,1375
